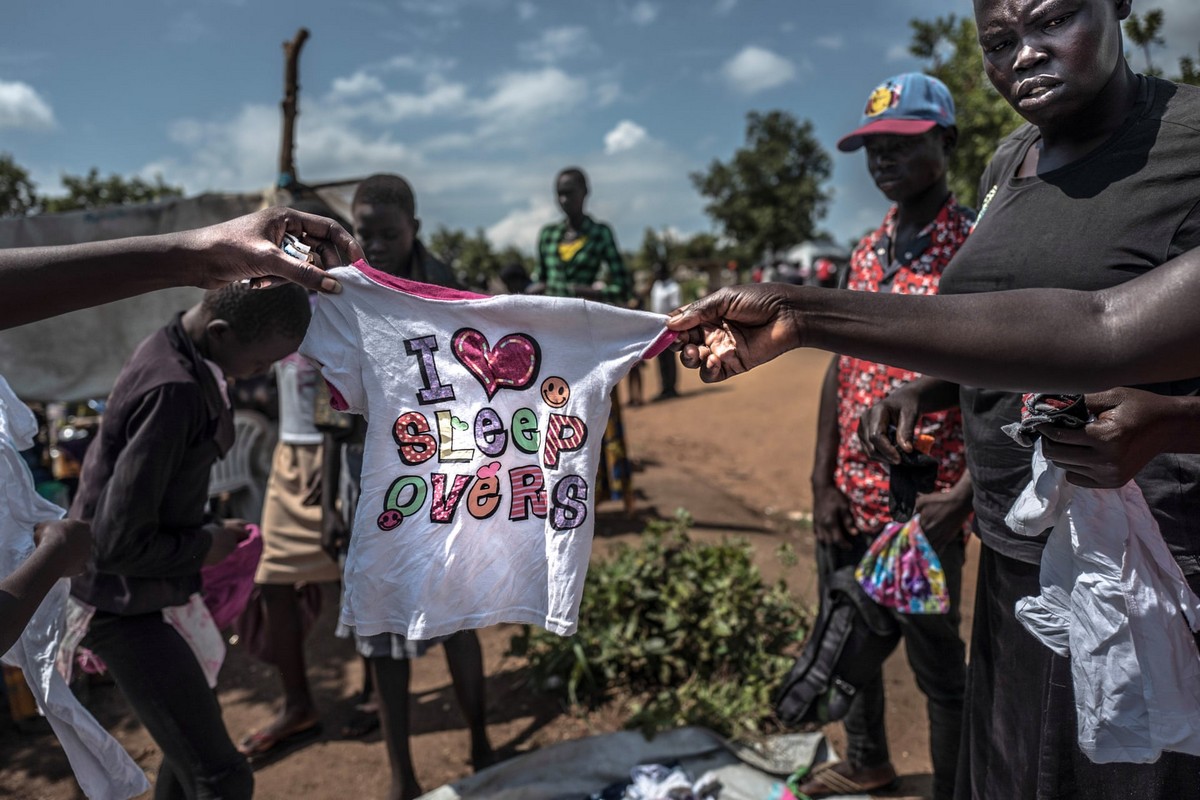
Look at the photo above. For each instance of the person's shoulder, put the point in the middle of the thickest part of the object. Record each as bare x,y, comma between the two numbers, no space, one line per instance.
154,362
437,271
1012,145
960,214
1176,103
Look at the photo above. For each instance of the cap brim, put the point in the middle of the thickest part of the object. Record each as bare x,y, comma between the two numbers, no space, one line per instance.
900,127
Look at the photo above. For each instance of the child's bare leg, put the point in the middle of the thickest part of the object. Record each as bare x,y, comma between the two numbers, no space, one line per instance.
466,668
286,633
391,687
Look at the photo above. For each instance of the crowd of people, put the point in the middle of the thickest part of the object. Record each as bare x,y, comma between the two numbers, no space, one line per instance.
1076,274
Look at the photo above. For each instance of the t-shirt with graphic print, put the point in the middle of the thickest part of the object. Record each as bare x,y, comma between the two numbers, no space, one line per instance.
484,421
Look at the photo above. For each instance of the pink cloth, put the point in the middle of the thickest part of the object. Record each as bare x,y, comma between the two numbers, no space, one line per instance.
227,585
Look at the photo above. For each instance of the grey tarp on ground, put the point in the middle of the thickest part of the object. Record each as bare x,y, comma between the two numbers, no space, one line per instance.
78,355
576,769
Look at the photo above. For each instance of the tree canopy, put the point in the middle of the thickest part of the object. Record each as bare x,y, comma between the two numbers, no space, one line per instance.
772,193
471,256
951,45
1143,31
19,196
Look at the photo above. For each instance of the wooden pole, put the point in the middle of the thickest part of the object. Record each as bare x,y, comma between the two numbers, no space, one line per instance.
290,105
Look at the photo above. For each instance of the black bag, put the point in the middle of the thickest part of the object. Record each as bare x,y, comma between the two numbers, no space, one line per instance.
849,642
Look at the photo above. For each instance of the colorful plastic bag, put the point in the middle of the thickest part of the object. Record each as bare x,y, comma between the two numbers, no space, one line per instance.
901,571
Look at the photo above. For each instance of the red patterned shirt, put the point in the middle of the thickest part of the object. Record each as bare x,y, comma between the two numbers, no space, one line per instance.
861,384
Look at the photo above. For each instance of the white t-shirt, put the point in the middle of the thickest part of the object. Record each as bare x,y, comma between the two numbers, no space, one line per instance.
665,296
485,421
100,764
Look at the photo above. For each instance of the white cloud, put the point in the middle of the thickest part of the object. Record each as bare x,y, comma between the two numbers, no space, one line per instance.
898,52
626,136
526,10
22,107
522,97
755,69
187,28
607,93
556,44
358,84
832,42
241,153
643,13
440,98
724,7
519,228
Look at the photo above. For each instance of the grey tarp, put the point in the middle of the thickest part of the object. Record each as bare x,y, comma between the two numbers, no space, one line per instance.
78,355
573,770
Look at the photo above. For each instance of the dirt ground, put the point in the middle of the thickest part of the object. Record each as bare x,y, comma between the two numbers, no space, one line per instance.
737,455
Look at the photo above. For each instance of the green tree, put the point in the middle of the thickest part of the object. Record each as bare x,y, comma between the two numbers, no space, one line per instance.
469,255
93,191
18,194
771,194
1189,71
951,45
1143,31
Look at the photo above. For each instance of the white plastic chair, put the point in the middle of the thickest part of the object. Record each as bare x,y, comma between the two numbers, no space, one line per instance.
245,468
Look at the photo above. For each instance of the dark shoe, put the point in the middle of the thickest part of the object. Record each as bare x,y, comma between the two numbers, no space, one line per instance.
262,743
831,780
361,724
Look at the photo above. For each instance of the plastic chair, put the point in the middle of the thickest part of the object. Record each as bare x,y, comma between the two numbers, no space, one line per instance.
245,468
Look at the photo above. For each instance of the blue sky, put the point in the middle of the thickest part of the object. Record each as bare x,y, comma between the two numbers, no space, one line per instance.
477,102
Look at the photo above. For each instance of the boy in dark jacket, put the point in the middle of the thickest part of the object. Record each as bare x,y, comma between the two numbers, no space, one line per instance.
144,488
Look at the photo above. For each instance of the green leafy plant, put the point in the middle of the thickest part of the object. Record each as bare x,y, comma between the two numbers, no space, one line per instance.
690,632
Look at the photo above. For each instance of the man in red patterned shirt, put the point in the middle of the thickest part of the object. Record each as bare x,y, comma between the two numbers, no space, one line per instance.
909,134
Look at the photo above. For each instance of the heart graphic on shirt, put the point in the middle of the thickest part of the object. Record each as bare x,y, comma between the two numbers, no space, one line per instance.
512,364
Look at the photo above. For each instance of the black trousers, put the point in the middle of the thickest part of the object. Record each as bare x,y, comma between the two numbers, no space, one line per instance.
937,656
668,366
161,678
1020,736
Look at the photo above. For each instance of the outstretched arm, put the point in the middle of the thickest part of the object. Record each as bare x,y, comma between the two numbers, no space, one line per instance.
41,282
63,546
1055,340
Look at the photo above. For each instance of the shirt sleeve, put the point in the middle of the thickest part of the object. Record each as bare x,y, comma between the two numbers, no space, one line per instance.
1187,237
128,537
622,336
620,285
332,344
541,273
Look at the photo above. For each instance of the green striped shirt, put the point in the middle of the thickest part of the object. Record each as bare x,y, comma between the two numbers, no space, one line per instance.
597,258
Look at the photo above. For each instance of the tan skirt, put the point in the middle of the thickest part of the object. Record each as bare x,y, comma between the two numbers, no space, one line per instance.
291,520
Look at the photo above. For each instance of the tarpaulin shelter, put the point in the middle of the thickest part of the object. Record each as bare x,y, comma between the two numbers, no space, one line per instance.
78,355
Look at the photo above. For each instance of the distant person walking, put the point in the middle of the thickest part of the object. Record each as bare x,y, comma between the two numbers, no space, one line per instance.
665,297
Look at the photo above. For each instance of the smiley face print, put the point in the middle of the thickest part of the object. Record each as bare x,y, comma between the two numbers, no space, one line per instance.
555,392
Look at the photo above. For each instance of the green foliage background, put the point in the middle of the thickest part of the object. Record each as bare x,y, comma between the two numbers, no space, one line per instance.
689,630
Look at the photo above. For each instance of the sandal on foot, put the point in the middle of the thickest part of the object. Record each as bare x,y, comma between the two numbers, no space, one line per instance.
263,742
361,724
831,780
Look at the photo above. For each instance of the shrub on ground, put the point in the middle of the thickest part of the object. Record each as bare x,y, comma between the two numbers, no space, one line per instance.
690,632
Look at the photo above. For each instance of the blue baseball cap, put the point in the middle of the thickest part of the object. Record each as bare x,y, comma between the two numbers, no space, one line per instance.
907,105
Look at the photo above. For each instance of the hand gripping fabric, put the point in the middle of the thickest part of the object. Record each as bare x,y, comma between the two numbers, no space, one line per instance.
850,640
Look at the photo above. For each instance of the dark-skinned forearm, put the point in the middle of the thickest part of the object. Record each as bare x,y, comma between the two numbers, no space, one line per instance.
1046,339
40,282
826,450
23,591
933,394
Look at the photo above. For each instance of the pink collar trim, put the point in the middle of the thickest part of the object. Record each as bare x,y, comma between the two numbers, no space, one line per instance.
426,290
432,292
